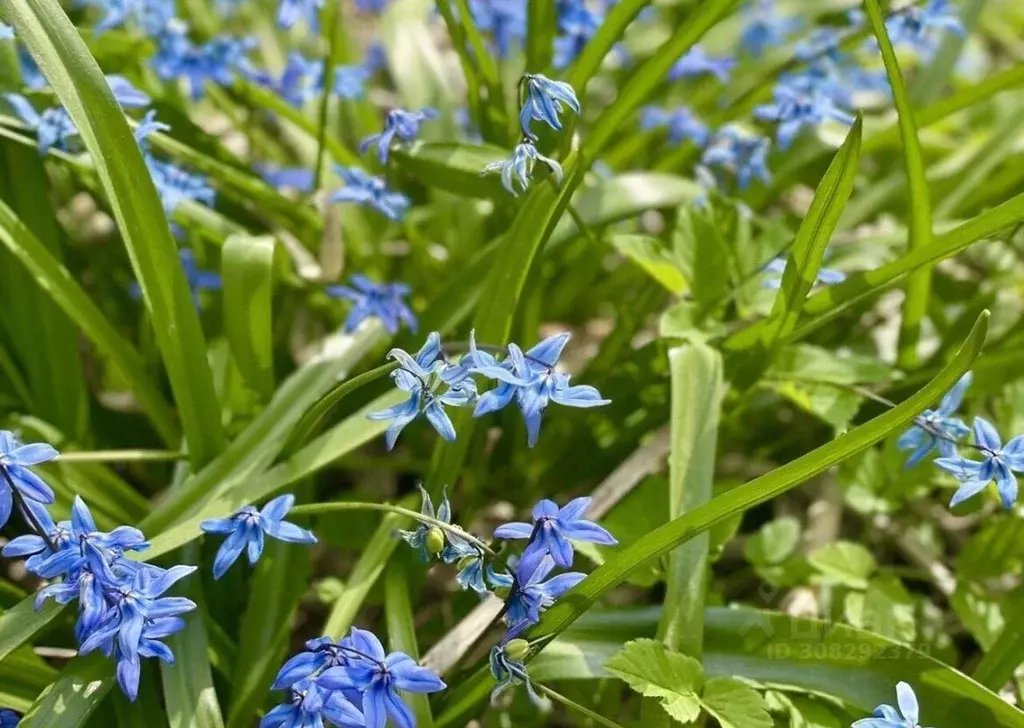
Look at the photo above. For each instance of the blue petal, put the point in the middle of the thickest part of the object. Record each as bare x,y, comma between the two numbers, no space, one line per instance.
229,552
985,434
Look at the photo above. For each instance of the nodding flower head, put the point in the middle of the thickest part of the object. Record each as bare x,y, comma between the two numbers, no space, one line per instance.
545,100
519,167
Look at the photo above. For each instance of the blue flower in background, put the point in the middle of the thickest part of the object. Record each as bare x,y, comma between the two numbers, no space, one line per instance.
383,301
519,167
405,125
937,429
545,100
505,20
696,62
418,538
372,6
198,280
309,705
920,27
999,463
681,123
152,16
745,155
553,530
531,592
6,33
887,716
246,529
173,184
350,81
15,461
379,677
365,189
177,58
299,82
376,58
54,127
777,266
765,28
9,719
296,178
290,12
578,24
792,110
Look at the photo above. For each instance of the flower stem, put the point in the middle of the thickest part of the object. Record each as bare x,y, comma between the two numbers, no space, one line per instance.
573,705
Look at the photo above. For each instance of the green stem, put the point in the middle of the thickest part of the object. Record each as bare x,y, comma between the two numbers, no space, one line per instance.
573,705
121,456
325,101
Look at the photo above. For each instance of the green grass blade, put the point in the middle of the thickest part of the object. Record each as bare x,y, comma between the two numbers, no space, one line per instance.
611,31
918,289
20,622
453,167
70,700
22,677
648,77
61,54
541,28
760,490
1000,662
248,274
64,291
401,626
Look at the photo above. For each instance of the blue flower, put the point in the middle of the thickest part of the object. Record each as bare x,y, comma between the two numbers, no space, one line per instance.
9,719
421,537
765,28
422,377
519,167
177,58
350,81
137,619
887,716
469,560
530,594
509,669
696,62
919,27
152,16
379,677
937,429
545,100
126,94
372,6
578,25
792,110
364,189
309,705
384,301
743,154
999,463
53,128
399,123
505,20
296,178
681,123
198,280
553,530
245,531
777,266
321,654
15,461
37,546
299,81
173,184
534,383
290,12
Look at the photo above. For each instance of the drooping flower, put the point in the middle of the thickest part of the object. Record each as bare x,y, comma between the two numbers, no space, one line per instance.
246,529
428,538
743,154
400,124
384,301
310,704
777,266
469,560
999,462
886,716
364,189
545,100
554,529
519,167
792,110
290,12
937,429
681,123
508,668
697,62
531,592
16,479
766,28
379,677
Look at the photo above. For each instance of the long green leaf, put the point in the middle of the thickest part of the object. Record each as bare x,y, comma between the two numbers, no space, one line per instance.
541,28
453,167
80,85
401,626
611,31
22,677
915,304
74,696
248,274
19,623
60,285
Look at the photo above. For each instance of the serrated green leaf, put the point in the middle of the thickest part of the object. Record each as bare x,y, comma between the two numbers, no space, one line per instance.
651,670
735,704
844,562
248,275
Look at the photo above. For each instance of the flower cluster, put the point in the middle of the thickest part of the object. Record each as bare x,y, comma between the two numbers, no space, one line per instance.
179,59
383,301
434,382
330,679
121,608
545,100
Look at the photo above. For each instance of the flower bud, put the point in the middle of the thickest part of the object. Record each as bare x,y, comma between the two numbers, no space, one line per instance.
516,649
434,541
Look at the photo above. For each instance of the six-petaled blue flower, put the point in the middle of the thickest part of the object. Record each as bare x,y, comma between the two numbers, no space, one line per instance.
937,429
400,124
554,529
531,591
999,462
383,301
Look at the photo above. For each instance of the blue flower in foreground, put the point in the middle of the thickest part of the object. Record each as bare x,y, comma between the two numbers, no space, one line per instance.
310,704
887,716
697,62
999,463
777,266
681,123
384,301
53,128
405,125
743,154
245,531
530,594
508,668
918,27
553,530
429,539
290,12
321,654
15,461
545,100
519,167
379,677
418,376
937,429
364,189
35,546
766,28
792,110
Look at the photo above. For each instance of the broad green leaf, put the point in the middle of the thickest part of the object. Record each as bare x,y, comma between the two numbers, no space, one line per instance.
58,283
74,696
652,256
401,625
541,29
80,85
844,562
453,167
887,609
654,672
775,542
248,275
915,304
735,704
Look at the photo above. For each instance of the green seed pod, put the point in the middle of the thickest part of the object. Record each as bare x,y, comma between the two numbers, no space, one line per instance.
434,541
502,592
516,649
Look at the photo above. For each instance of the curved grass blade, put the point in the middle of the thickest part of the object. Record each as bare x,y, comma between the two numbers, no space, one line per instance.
541,28
248,274
60,285
401,627
20,622
80,85
611,31
915,305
